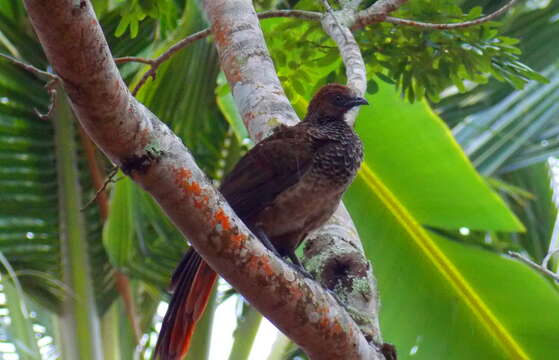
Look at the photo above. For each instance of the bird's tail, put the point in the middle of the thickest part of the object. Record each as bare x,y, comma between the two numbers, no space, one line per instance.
192,284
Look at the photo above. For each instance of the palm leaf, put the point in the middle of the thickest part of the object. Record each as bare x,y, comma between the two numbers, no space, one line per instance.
434,290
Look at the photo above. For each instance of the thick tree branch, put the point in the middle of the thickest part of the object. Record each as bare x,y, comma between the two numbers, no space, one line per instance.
248,67
133,138
351,56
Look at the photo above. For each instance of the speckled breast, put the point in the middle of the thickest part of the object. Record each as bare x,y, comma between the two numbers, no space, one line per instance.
336,163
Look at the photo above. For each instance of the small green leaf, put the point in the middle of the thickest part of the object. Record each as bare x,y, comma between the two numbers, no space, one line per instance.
372,87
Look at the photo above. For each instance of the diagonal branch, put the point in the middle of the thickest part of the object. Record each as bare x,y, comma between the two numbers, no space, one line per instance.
449,26
541,268
376,13
146,149
155,63
52,83
30,68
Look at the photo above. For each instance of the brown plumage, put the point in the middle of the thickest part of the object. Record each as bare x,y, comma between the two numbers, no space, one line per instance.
285,187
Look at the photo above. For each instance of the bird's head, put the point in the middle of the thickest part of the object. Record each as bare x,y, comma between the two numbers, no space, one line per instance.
333,101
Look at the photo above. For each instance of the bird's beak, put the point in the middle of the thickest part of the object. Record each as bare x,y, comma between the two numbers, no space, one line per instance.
356,101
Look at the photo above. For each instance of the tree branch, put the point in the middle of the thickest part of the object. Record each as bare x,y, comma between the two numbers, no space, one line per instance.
297,14
146,149
449,26
376,12
380,13
535,266
30,68
52,83
351,56
155,63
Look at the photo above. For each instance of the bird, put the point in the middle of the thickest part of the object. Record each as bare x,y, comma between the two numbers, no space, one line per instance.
286,186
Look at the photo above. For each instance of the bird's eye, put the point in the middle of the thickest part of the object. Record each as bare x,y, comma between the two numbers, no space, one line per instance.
339,99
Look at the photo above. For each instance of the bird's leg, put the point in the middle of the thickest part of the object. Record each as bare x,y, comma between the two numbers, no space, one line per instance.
264,239
297,265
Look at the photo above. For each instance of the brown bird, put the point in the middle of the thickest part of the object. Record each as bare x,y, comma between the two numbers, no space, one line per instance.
285,187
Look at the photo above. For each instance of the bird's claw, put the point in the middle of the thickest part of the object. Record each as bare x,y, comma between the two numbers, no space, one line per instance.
335,296
301,270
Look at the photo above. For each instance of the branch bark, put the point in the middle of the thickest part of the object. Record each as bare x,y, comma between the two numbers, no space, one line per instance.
132,137
376,12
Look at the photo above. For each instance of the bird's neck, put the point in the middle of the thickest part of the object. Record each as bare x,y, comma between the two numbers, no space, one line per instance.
322,118
331,129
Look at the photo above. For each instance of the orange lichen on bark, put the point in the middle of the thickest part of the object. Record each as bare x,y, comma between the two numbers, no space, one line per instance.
193,187
182,175
237,240
221,32
202,203
182,179
337,328
261,264
223,220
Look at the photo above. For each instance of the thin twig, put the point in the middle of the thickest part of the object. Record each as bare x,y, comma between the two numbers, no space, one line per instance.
96,172
51,89
535,266
548,257
370,18
30,68
125,59
376,12
298,14
155,63
52,82
330,12
108,180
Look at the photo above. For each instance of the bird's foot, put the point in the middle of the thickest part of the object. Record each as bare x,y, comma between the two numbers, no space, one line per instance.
335,296
302,270
296,264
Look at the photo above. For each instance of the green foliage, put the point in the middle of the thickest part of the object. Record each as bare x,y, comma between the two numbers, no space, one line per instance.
305,58
420,62
134,11
423,63
472,301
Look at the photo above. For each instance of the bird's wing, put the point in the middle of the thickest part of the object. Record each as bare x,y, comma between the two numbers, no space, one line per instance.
268,169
